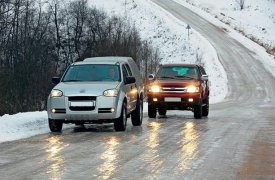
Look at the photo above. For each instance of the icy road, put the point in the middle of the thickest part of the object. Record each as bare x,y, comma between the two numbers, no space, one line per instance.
237,141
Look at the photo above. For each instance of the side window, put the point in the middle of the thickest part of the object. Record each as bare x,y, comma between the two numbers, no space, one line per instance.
124,72
128,69
202,71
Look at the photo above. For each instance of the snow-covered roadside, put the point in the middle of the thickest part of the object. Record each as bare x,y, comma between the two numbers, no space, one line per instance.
23,125
256,21
260,53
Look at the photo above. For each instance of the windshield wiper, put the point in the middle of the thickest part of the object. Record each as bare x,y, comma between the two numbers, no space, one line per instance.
167,77
182,76
71,80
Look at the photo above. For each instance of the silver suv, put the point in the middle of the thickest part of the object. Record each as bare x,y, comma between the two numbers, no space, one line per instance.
97,90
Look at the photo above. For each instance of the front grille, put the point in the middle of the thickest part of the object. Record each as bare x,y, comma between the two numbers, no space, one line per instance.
105,110
82,98
174,89
82,108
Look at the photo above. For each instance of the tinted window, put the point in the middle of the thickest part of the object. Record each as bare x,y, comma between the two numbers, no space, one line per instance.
128,69
92,72
202,71
124,72
178,72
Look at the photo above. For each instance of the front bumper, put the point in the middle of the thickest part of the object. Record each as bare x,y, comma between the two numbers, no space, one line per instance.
183,104
105,108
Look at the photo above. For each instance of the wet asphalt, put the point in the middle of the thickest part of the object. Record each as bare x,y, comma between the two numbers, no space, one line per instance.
236,141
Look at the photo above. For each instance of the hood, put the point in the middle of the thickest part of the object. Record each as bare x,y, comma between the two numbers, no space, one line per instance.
85,88
175,83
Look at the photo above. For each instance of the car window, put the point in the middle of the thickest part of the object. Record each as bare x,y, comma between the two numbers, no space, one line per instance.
92,72
178,72
124,72
202,71
129,70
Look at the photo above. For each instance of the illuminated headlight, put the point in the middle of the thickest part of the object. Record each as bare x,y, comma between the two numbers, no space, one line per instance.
192,89
155,89
56,93
110,93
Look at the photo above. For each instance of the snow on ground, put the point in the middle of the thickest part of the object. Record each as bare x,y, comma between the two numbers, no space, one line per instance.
260,53
164,32
256,20
23,125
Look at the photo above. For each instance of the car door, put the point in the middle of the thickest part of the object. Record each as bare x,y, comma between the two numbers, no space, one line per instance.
127,88
133,87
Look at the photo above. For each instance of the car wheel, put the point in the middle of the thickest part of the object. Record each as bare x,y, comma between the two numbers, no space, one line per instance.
120,123
198,111
137,114
205,108
162,111
55,125
152,112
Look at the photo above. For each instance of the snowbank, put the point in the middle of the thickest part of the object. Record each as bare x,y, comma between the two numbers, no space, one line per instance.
23,125
256,20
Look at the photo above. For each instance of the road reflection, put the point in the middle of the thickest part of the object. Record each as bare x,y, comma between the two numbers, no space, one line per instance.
188,147
109,157
152,156
54,147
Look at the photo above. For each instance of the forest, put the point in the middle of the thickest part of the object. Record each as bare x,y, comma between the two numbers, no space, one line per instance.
39,40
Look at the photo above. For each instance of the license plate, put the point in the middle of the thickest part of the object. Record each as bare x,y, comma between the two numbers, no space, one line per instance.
171,99
83,104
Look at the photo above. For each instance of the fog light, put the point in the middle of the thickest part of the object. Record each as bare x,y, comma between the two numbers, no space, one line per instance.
112,109
53,110
155,99
190,100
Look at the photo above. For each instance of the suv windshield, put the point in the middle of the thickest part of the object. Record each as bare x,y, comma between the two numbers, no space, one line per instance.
92,72
178,72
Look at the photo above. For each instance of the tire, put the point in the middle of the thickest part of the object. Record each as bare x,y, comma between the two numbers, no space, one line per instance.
162,111
55,125
152,112
120,123
137,114
205,108
198,111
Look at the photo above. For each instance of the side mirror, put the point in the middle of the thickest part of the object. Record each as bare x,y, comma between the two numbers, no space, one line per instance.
151,77
204,77
130,80
56,80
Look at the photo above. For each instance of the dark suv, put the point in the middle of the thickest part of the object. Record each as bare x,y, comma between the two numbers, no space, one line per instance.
179,87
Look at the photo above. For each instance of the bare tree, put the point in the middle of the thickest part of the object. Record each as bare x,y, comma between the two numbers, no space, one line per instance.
240,3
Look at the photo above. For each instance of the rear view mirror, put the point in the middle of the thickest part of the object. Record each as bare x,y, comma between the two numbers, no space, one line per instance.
204,77
130,80
56,80
151,77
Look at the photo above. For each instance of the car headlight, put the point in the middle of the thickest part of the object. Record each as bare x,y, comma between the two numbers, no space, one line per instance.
56,93
155,89
110,93
192,89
